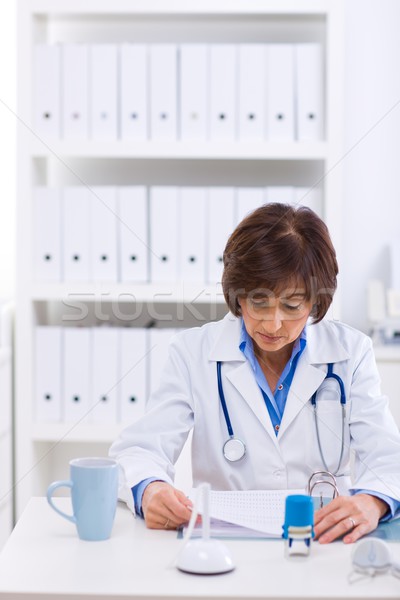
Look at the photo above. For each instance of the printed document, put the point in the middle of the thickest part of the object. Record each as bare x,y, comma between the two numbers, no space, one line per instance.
251,513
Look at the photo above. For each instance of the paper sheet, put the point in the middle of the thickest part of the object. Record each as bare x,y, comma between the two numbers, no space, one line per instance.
261,511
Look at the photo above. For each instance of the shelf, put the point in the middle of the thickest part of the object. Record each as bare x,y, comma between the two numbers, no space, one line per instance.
387,353
70,432
207,7
195,293
182,150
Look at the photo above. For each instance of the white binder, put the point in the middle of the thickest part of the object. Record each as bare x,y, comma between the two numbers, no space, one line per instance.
280,92
133,374
46,234
159,341
309,91
194,91
280,193
105,374
77,374
252,91
133,92
133,234
248,199
192,234
103,233
221,222
164,227
75,91
47,107
311,197
76,233
103,86
163,92
223,92
48,374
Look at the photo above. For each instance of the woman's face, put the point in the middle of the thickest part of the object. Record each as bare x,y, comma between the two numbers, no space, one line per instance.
274,322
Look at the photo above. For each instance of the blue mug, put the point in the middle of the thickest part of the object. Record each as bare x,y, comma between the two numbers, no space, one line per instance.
94,494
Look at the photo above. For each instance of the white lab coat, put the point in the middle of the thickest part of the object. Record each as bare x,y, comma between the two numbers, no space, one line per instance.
188,398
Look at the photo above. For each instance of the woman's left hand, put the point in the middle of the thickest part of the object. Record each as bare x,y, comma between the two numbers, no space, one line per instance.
351,516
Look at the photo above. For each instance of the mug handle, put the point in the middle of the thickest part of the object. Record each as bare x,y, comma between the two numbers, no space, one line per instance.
50,491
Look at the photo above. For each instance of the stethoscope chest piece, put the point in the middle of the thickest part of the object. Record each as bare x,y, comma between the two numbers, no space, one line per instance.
234,449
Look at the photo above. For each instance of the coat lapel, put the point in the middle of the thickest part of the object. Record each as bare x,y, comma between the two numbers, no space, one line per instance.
243,379
226,345
322,348
306,381
226,349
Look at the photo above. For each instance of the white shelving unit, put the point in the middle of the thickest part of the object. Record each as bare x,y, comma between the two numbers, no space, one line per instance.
388,363
6,445
43,450
186,292
237,151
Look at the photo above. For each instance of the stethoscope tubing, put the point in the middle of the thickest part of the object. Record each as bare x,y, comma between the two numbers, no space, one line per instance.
336,471
329,375
233,449
223,401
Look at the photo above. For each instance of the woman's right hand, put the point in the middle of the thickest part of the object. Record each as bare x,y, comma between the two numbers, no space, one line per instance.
165,507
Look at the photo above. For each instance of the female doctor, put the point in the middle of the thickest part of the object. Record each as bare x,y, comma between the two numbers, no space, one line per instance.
273,392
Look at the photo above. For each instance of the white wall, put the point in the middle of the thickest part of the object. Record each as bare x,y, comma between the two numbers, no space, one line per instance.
7,146
372,168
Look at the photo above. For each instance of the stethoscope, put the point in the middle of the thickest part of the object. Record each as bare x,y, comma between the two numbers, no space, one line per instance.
331,375
234,449
324,478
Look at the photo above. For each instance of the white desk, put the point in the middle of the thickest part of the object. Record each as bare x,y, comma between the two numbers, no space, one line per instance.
45,559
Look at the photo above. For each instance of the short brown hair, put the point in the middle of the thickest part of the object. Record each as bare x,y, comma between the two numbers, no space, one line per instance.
276,245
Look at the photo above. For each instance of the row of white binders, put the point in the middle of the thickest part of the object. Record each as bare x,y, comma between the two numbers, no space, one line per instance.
139,234
188,92
96,374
